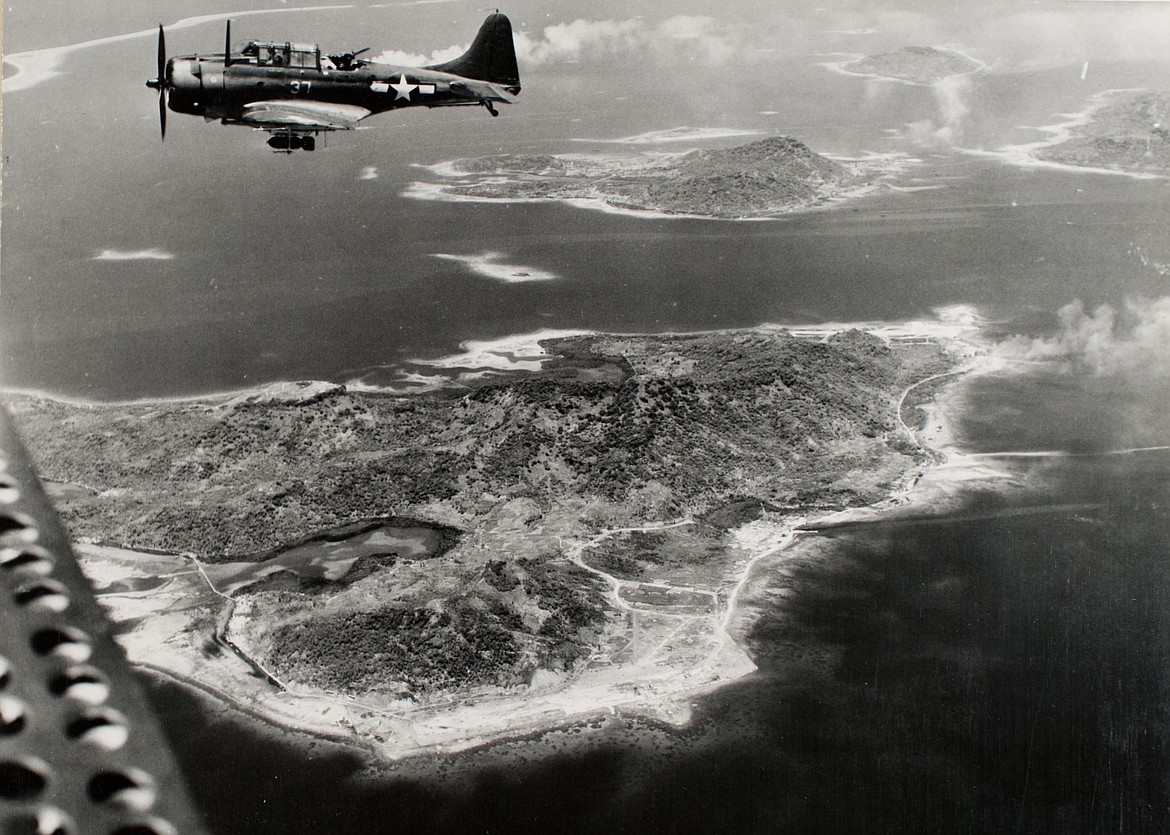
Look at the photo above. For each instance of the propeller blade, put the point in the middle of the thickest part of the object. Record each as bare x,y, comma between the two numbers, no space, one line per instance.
227,45
162,82
162,55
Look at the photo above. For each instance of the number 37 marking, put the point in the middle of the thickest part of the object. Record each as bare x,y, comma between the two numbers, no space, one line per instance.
300,86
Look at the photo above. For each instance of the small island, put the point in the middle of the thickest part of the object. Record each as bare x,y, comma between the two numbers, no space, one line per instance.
1124,131
766,178
432,571
914,65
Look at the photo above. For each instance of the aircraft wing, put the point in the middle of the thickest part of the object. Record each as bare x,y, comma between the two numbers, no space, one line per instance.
484,90
303,115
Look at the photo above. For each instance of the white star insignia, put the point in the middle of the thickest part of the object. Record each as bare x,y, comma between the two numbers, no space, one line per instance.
403,88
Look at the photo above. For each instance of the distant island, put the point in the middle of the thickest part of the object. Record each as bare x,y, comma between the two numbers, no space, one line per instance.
1124,131
428,572
765,178
914,64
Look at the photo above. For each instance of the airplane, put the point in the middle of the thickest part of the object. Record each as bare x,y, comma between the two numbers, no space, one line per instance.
294,92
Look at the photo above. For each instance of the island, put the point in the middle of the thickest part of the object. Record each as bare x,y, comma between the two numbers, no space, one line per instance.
1125,131
429,572
766,178
914,65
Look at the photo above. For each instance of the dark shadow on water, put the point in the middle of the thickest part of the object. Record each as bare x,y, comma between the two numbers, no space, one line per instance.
1002,674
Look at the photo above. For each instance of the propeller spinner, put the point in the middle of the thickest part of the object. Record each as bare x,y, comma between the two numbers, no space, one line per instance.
163,82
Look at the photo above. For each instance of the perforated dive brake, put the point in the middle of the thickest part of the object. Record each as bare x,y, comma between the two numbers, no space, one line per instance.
80,749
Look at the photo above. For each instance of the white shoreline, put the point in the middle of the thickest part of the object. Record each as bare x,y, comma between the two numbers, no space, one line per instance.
439,192
522,352
1021,155
875,166
840,68
679,134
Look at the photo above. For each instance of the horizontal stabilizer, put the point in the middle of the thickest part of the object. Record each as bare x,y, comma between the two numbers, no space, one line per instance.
483,90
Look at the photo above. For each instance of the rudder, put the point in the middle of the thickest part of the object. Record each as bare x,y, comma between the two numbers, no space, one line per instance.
492,56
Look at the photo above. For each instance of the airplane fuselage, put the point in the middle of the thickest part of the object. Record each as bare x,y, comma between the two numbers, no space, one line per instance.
204,87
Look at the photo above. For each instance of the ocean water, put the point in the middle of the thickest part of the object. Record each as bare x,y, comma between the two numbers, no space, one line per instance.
117,330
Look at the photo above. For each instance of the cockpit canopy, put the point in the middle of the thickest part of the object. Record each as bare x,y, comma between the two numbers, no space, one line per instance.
296,55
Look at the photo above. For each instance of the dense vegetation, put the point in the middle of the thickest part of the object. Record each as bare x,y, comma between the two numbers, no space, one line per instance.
682,554
516,618
694,422
420,648
619,431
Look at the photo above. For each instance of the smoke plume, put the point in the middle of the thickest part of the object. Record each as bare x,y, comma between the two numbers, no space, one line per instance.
951,94
1104,341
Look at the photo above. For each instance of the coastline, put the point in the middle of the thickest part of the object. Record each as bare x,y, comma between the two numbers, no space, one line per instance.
867,174
841,68
648,687
523,352
1058,133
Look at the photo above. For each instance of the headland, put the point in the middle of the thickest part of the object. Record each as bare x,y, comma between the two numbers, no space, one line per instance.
1118,132
435,571
763,179
1126,131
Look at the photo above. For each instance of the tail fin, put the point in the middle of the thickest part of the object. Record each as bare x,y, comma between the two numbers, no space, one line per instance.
492,56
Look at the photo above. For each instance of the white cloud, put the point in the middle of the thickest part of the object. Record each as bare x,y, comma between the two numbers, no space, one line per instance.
1135,340
690,37
152,254
686,26
370,172
1046,37
39,65
398,57
951,94
581,38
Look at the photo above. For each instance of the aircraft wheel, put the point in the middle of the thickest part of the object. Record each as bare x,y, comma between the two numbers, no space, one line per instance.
309,143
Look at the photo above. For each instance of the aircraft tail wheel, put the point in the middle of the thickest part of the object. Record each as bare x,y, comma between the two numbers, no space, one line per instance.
309,143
